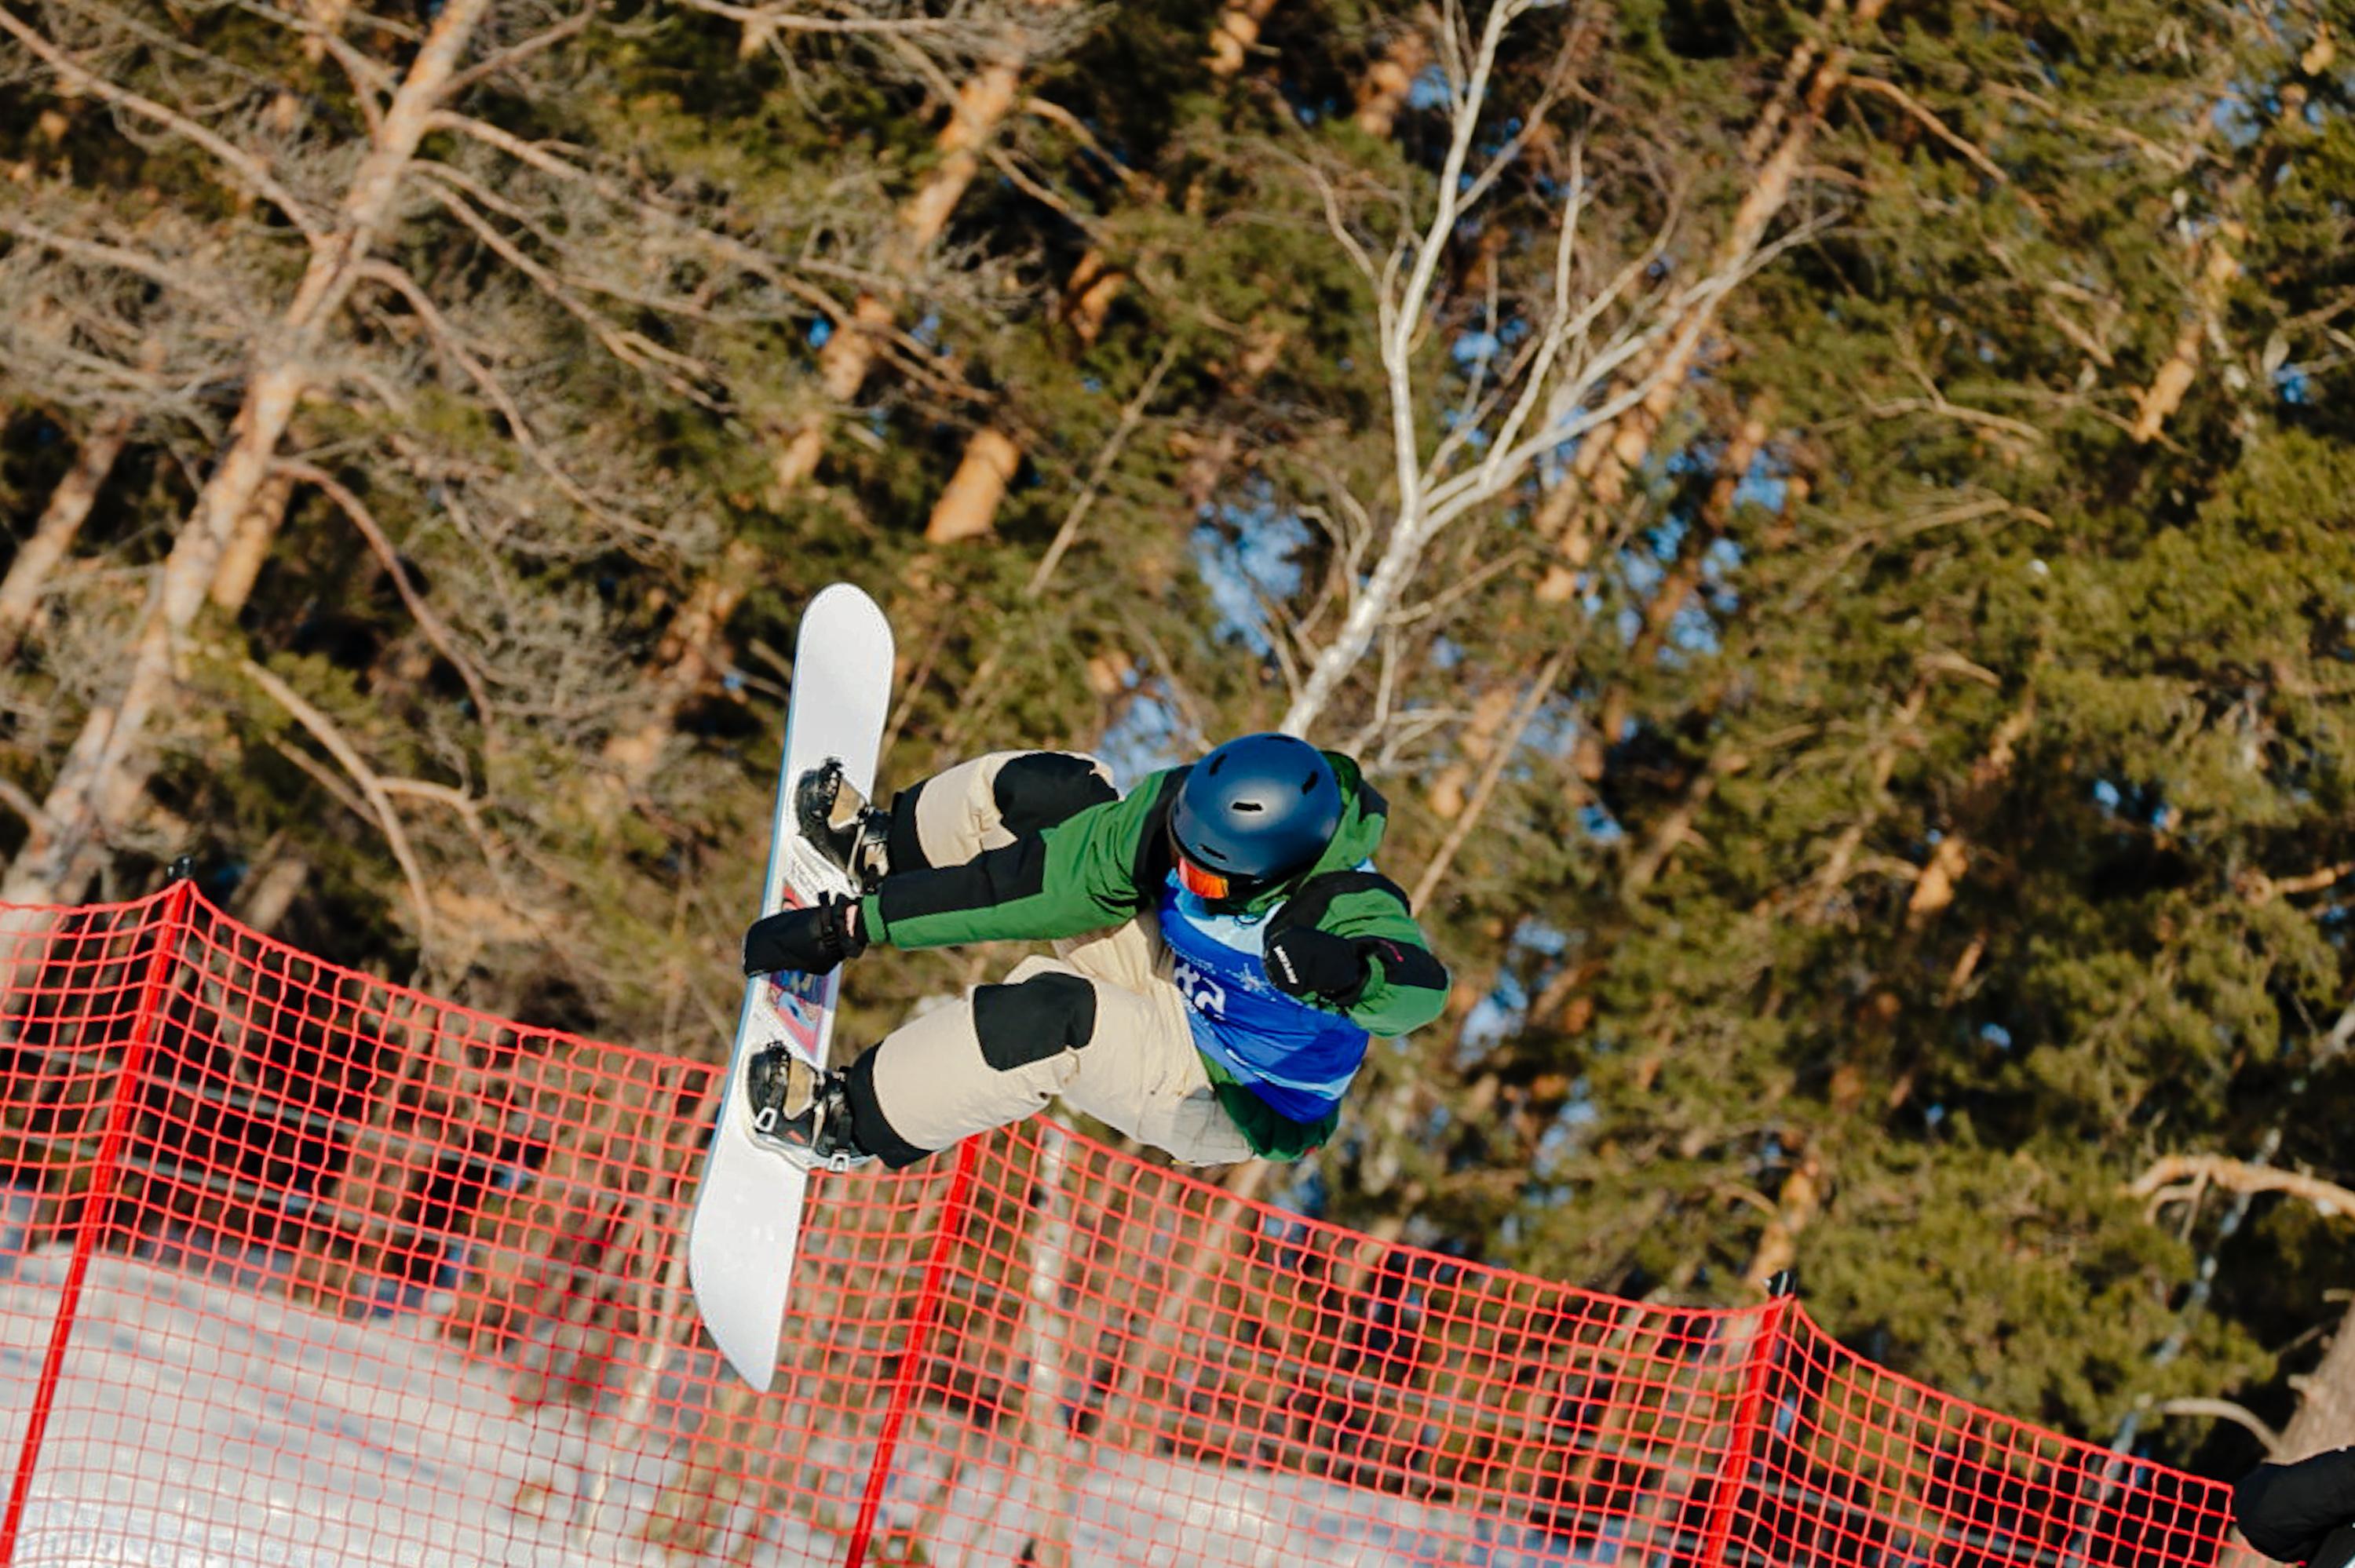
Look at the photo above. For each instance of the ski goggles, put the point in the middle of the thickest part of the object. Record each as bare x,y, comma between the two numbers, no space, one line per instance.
1215,887
1209,886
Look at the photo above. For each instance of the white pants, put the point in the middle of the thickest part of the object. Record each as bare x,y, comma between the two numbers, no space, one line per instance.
1138,1071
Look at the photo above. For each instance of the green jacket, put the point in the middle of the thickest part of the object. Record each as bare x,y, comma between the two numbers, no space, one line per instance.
1105,865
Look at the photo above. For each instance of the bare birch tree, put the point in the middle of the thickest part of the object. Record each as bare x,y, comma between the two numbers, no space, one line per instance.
1582,334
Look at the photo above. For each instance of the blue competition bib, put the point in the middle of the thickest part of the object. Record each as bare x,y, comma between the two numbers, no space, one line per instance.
1297,1058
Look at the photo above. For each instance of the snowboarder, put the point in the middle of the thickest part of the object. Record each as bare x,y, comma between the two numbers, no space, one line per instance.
1223,949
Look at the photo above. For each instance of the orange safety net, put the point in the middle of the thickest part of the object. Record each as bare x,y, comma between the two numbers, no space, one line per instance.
297,1267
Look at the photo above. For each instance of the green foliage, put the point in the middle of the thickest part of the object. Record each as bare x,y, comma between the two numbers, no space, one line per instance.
2018,1279
1934,814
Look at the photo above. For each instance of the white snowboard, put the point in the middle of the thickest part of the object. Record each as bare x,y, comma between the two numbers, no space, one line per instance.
748,1209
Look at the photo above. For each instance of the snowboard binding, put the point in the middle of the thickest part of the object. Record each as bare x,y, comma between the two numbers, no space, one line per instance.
801,1112
840,824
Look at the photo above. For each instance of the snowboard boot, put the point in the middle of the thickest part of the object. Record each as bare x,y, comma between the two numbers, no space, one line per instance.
844,827
801,1112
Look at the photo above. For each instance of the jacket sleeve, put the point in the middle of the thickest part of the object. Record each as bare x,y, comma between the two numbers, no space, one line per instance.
2285,1511
1094,869
1406,986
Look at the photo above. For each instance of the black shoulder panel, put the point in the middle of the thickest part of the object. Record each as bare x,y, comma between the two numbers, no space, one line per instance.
1309,901
1154,863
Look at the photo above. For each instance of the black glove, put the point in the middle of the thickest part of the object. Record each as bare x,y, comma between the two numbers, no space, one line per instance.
811,940
2290,1512
1314,965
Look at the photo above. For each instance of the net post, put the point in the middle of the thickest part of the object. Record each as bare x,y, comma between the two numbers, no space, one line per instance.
1774,1319
945,1236
98,1207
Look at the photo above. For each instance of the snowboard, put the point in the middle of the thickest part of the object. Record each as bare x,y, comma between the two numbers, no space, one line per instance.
746,1226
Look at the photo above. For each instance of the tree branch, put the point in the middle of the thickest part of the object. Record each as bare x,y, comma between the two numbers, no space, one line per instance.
1130,417
777,19
629,347
367,79
179,279
323,729
2162,1182
14,796
1936,126
470,811
519,428
514,54
725,247
2260,889
2224,1410
436,632
246,169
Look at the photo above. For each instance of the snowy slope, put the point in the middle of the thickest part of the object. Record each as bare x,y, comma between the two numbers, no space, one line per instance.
203,1425
196,1425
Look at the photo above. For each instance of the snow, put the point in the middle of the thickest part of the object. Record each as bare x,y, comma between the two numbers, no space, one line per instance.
197,1425
201,1423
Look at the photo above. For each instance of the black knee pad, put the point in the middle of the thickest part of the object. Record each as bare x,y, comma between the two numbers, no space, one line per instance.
1036,791
1044,1016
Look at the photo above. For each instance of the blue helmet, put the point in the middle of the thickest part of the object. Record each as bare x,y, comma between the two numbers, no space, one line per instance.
1253,812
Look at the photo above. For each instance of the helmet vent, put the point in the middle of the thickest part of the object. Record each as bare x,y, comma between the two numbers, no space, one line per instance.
1249,806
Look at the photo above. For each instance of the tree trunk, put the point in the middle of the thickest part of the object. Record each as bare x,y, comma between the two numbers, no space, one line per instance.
1207,467
1828,881
107,768
53,535
2159,400
1609,456
1235,32
1088,294
1934,890
329,15
1673,830
692,651
2325,1405
689,655
1476,746
266,894
1379,97
249,546
968,508
1801,1199
982,103
1383,91
1676,589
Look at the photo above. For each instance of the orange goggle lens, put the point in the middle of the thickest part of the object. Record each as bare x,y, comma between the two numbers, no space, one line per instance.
1201,882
